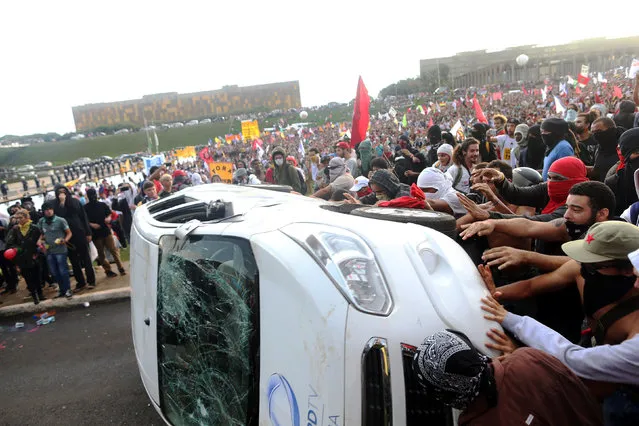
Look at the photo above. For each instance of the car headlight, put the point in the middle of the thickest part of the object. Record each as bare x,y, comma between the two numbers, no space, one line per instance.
348,261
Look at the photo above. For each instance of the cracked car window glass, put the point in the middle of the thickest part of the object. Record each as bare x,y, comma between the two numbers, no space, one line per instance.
208,332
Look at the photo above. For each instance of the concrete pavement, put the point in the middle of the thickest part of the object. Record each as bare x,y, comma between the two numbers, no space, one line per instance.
107,289
80,370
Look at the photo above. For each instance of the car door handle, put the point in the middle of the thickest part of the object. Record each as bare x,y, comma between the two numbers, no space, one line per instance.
147,321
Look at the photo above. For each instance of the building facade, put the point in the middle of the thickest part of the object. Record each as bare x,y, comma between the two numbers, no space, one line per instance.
478,68
171,107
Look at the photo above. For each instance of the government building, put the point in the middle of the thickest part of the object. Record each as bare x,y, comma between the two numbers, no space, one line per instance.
172,107
480,67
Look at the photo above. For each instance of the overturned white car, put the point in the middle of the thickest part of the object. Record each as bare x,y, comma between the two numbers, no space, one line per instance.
252,306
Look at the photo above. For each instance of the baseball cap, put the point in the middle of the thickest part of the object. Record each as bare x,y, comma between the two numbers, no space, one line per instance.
343,145
360,182
610,240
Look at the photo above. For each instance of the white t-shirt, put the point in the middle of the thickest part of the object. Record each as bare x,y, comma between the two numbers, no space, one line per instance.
506,146
463,184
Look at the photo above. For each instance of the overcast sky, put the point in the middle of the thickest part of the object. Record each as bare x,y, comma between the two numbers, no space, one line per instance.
57,54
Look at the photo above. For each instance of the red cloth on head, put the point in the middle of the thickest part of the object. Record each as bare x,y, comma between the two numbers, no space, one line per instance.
571,168
416,192
364,191
622,161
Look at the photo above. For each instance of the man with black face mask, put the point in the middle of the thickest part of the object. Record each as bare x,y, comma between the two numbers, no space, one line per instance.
606,134
553,134
534,157
486,148
582,132
603,272
623,182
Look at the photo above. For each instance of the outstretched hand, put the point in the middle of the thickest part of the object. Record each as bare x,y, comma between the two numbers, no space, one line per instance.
504,257
349,199
499,341
480,229
475,211
495,310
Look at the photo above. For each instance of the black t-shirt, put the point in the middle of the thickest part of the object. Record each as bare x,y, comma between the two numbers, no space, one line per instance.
96,213
588,152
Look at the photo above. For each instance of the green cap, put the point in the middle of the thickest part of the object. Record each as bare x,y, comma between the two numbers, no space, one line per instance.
610,240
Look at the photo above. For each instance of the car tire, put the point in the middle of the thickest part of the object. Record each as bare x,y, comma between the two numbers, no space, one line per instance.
438,221
342,208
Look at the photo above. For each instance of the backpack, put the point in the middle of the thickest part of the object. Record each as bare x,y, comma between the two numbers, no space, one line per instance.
457,179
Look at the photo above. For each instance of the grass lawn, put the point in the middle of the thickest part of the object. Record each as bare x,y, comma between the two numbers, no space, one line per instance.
64,152
125,254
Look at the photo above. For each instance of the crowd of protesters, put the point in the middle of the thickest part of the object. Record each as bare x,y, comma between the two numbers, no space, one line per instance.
545,195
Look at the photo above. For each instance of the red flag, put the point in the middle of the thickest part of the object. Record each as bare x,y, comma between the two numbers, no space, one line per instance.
205,155
430,122
578,90
479,114
497,96
616,92
582,79
523,89
361,116
597,99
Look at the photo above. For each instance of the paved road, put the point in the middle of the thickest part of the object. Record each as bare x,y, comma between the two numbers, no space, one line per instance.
80,370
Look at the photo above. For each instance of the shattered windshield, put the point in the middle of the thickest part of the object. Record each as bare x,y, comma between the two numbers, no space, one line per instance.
208,337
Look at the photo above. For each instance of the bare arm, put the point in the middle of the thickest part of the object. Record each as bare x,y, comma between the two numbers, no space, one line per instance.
518,227
635,93
509,256
552,281
545,262
324,193
440,206
501,207
525,228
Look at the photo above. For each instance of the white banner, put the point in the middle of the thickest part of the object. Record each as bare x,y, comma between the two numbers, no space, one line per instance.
584,70
634,68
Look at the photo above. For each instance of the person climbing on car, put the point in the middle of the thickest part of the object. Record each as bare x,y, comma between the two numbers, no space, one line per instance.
70,209
339,179
384,186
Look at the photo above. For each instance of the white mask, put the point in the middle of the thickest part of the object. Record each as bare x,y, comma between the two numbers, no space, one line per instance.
279,161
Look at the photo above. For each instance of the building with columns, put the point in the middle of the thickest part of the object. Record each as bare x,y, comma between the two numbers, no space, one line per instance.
480,67
169,107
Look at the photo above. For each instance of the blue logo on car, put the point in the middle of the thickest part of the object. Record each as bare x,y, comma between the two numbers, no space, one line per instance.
282,404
